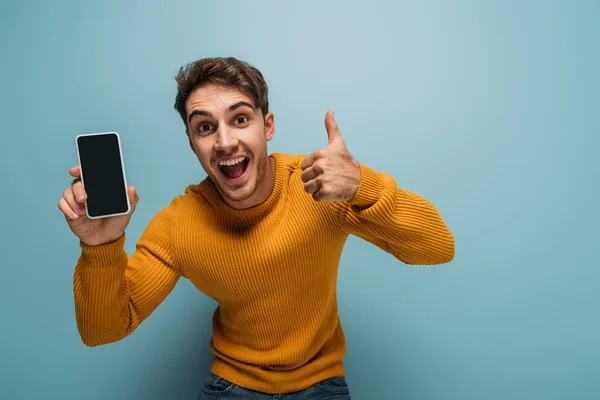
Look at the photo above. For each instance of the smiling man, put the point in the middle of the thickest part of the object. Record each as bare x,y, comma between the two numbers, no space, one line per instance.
229,134
261,234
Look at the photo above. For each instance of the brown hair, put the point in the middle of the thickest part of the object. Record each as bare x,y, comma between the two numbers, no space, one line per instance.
225,71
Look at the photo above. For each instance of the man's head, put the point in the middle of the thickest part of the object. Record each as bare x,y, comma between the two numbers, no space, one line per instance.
224,105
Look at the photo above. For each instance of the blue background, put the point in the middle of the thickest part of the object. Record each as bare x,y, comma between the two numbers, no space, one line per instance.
491,110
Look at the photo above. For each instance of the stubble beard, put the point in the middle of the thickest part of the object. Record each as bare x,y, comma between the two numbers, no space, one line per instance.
261,165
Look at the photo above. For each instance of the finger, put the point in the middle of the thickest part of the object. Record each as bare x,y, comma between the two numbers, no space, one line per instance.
319,195
310,173
310,160
134,197
67,210
70,199
78,191
75,171
312,186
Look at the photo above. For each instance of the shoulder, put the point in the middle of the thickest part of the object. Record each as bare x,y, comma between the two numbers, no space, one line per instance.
194,190
173,207
179,204
291,161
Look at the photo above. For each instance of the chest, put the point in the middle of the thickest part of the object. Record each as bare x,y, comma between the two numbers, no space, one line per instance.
284,254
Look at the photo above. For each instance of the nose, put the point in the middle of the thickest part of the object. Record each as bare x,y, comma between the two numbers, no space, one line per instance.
226,141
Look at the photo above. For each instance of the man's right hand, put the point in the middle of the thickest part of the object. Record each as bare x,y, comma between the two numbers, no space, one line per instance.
92,232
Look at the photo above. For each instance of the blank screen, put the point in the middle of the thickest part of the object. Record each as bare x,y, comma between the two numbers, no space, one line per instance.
102,172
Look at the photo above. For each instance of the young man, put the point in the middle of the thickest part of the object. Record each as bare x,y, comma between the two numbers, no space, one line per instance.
261,234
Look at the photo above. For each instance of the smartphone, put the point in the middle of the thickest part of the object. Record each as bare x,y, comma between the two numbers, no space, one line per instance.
103,174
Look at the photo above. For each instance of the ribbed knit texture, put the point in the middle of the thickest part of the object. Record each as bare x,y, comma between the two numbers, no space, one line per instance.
271,268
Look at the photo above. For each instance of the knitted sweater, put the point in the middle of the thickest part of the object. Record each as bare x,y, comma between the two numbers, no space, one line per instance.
272,269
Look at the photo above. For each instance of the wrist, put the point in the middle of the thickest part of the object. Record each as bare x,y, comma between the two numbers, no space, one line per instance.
101,242
369,189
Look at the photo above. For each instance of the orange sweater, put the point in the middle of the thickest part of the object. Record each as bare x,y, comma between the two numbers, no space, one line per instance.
271,268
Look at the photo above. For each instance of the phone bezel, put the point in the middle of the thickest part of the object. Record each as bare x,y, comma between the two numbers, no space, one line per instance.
122,167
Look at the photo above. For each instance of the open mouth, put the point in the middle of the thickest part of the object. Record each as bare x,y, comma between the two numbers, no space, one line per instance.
236,172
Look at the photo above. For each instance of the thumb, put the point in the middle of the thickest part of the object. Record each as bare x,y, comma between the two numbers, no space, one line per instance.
134,197
333,131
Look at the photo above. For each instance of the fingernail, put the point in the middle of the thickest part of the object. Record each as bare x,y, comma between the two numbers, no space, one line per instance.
80,197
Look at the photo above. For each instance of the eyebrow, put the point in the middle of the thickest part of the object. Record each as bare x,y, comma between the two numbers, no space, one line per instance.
230,109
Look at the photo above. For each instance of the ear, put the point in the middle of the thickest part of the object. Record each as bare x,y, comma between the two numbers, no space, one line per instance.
269,126
190,140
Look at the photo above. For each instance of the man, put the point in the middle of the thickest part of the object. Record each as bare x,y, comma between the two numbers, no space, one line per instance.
261,234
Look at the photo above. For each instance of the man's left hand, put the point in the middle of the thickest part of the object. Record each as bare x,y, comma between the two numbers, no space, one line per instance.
330,173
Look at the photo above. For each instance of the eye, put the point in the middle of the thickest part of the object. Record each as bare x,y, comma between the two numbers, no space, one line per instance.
242,119
204,128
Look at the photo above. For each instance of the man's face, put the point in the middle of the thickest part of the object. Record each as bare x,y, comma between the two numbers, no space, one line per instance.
225,125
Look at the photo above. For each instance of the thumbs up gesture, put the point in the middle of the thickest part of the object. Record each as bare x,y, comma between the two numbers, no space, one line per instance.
331,173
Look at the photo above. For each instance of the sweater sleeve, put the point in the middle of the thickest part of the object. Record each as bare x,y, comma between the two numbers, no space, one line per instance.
398,221
115,293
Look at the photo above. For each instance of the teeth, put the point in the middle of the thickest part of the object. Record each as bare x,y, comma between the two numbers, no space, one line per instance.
232,162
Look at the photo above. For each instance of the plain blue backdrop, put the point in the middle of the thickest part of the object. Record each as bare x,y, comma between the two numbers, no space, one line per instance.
491,110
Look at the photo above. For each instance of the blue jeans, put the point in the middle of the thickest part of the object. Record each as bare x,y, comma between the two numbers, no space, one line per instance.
217,388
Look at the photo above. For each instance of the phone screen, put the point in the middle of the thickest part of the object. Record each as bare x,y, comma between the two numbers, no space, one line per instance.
102,174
